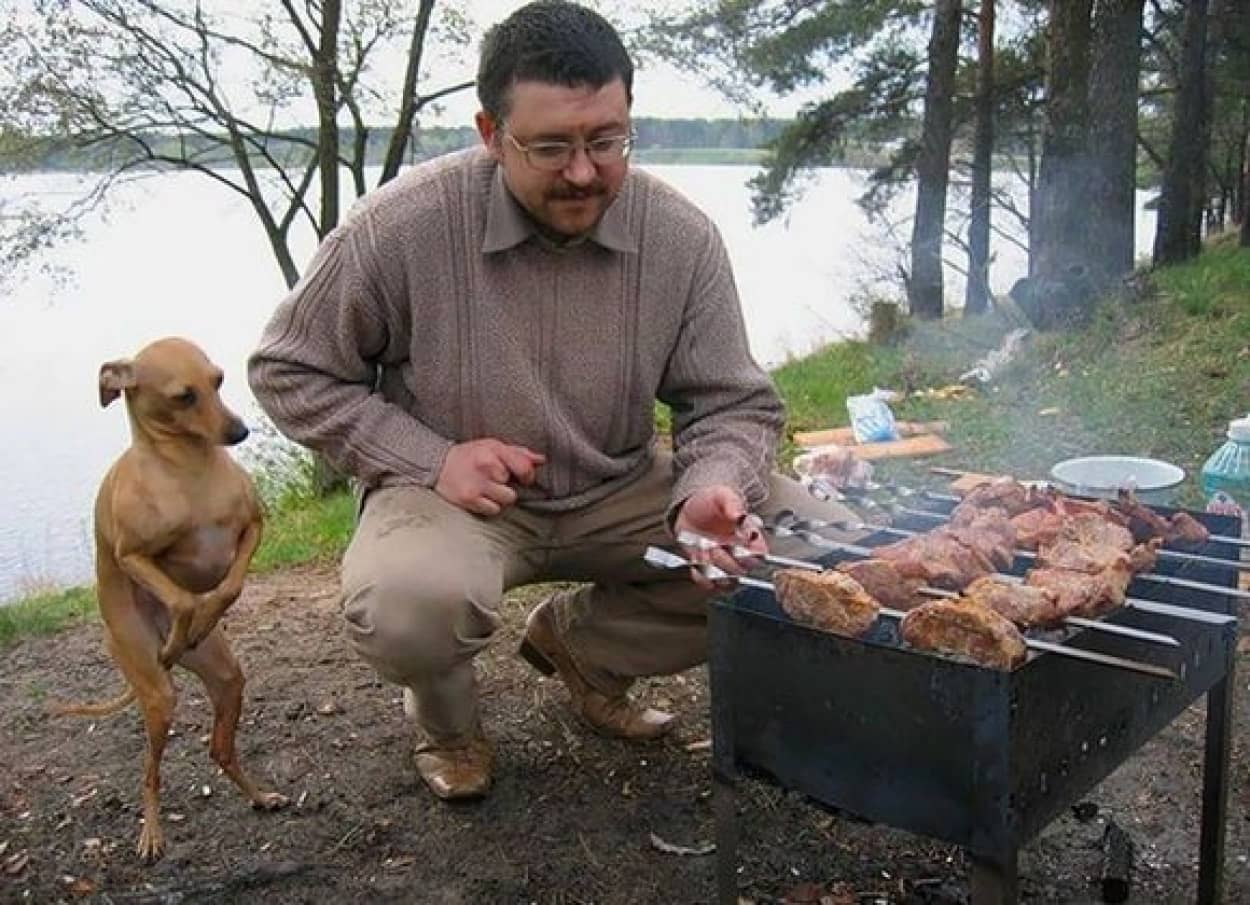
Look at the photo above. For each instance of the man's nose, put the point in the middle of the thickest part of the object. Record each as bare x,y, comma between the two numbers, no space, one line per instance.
580,169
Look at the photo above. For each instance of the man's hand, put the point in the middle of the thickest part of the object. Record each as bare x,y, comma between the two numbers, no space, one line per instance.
720,514
476,475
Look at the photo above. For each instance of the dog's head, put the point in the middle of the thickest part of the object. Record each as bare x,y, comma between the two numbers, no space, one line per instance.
172,390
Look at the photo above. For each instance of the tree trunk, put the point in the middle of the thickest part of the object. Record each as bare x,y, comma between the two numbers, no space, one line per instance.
1060,255
324,90
1178,236
1113,95
976,294
924,290
408,99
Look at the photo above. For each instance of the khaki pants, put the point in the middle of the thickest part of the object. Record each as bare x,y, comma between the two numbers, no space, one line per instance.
422,583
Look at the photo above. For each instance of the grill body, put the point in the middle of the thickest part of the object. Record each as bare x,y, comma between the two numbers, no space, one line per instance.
975,757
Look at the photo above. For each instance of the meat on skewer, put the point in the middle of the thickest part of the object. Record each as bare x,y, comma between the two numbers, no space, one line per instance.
964,628
1088,594
882,580
1026,606
1181,528
834,602
937,558
1037,513
828,600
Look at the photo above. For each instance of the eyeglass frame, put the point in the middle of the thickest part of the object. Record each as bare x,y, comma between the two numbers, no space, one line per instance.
571,148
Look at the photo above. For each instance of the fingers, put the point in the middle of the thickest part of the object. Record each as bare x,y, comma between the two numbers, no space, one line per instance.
522,463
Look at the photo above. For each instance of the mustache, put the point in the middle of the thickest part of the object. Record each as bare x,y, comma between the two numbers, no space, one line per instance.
576,193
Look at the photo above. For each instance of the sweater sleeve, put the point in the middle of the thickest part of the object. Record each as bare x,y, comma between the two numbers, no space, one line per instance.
316,370
727,416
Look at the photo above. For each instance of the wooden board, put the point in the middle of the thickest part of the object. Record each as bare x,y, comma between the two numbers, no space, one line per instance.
844,436
969,481
920,445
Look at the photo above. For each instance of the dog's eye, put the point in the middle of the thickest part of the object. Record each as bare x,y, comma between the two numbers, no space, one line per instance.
186,398
217,381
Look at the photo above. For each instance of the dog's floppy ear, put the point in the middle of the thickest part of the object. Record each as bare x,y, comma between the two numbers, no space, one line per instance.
115,376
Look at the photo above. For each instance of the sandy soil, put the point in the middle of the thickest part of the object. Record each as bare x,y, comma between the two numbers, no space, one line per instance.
571,819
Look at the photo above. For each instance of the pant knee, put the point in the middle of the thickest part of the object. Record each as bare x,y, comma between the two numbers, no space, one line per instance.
409,628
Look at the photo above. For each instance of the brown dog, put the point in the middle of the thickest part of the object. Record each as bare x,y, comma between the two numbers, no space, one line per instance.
176,524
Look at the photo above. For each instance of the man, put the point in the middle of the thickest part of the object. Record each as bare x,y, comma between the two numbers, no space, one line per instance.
480,345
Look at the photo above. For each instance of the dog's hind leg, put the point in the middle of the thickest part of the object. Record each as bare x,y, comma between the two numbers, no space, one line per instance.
215,664
134,645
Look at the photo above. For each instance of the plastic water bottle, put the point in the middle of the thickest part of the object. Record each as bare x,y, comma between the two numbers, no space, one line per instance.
1226,475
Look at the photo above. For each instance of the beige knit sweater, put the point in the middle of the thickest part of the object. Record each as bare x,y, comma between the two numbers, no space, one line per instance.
435,314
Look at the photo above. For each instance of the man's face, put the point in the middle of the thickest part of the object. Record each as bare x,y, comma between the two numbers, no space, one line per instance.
567,201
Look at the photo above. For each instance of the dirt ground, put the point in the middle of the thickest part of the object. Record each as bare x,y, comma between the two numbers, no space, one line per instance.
571,819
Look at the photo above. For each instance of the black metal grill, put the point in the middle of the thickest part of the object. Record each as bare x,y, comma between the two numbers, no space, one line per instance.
975,757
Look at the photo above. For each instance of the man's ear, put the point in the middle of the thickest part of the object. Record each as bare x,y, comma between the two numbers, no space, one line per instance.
115,376
488,129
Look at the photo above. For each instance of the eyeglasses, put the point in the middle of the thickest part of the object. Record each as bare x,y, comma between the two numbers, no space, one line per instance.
554,156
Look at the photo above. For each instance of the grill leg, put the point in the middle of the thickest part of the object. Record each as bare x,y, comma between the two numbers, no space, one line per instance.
994,882
1215,789
725,809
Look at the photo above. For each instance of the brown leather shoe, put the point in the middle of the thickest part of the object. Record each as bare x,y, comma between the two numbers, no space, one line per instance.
457,770
618,716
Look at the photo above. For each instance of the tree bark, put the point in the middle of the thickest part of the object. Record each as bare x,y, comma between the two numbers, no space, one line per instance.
408,101
325,80
976,294
1178,235
924,289
1060,220
1113,93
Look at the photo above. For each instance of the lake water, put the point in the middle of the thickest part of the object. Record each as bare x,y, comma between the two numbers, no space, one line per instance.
181,256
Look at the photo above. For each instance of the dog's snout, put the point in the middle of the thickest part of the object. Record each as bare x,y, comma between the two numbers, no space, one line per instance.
236,432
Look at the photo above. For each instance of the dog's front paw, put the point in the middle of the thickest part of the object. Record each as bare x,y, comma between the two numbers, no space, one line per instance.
170,653
202,624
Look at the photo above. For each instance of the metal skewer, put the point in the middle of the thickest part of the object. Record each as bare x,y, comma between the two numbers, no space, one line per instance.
666,559
690,539
1136,603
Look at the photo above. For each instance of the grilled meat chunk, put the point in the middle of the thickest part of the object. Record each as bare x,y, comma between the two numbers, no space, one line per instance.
964,629
882,580
988,531
1089,594
1023,605
830,600
1095,557
1094,529
1002,493
1036,527
937,558
1145,523
1186,529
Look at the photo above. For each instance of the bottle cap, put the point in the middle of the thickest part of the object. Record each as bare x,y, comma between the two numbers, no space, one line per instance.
1239,430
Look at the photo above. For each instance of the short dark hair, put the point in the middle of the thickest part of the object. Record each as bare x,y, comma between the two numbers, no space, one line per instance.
550,41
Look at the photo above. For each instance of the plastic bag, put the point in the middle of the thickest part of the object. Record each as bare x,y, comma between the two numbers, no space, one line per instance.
871,419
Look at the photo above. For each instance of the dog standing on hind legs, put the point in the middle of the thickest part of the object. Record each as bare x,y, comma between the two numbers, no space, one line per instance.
176,524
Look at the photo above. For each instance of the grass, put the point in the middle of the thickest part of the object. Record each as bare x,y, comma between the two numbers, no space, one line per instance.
1159,374
300,531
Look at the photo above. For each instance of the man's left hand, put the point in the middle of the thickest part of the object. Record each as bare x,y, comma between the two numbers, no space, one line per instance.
720,514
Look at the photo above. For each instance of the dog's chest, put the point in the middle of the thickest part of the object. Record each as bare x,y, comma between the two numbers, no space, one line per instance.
201,556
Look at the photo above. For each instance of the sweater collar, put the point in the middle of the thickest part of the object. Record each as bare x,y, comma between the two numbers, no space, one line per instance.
508,225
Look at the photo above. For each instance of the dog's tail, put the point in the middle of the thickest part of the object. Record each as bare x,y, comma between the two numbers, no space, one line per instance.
101,708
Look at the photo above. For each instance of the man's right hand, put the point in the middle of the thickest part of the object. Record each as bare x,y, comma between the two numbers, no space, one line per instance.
476,475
